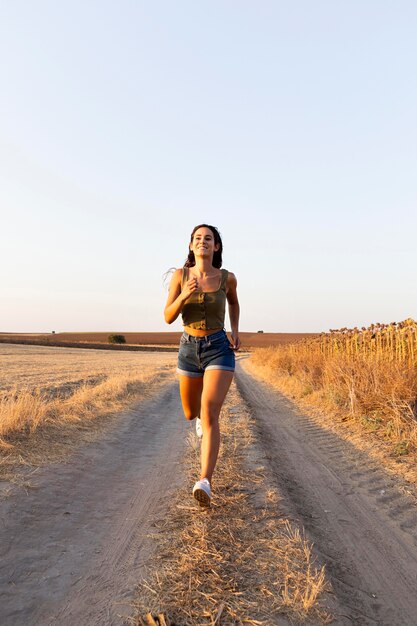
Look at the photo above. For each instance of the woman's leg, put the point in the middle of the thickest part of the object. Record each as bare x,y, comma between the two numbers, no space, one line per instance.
215,387
190,392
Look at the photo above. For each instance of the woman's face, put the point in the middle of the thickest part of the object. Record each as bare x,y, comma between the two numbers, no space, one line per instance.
203,243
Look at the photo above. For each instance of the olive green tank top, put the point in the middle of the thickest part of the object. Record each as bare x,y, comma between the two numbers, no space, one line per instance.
204,309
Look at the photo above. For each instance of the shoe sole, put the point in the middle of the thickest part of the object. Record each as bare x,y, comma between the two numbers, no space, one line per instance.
202,497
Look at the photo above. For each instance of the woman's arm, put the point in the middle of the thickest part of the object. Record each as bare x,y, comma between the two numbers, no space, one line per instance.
234,309
175,298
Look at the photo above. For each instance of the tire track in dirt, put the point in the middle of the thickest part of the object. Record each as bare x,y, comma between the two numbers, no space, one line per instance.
362,520
75,545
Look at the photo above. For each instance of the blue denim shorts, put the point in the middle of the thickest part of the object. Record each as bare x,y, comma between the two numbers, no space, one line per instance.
198,354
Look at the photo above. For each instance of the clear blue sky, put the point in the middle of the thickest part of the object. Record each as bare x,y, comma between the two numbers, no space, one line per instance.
289,125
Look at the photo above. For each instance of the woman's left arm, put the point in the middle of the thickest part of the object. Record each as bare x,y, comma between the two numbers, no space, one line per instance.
234,309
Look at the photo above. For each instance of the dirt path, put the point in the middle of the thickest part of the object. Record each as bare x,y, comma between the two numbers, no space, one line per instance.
74,546
362,520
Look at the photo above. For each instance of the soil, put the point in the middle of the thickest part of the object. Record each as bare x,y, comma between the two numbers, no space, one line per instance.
142,341
75,544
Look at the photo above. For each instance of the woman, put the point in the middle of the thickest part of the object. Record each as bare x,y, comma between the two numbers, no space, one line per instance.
206,358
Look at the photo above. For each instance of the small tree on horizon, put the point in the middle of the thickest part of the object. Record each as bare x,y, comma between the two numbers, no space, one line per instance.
117,339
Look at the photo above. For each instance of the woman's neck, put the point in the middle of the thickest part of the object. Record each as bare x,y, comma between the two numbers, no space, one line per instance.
204,267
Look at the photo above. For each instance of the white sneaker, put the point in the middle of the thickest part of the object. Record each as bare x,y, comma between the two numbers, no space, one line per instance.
202,492
198,428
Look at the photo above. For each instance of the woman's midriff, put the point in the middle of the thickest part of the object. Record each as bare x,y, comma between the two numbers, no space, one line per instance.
197,332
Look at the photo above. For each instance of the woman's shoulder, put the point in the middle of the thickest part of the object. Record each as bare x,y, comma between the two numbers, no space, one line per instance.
176,275
231,281
230,275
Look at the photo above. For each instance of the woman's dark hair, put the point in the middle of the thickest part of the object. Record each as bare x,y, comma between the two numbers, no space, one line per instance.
217,256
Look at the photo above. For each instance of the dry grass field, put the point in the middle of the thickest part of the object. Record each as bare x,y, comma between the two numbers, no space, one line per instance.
58,370
364,380
50,396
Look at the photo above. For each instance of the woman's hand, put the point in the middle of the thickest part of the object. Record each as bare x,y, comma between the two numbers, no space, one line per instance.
189,288
235,345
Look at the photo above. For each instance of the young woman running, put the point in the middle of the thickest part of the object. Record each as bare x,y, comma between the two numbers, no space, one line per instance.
206,358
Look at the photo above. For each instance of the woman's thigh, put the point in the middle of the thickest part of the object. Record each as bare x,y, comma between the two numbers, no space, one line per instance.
190,392
215,387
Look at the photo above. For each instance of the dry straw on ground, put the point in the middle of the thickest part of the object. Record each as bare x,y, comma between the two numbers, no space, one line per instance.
240,562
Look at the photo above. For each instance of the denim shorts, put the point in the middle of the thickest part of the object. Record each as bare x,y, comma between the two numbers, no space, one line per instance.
198,354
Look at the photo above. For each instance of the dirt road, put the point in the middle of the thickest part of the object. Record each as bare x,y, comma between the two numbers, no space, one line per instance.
362,520
73,547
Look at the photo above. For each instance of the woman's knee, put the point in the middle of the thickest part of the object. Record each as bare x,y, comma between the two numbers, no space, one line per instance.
190,391
210,412
191,411
190,415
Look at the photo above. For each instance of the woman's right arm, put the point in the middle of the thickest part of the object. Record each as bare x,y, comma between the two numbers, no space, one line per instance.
176,297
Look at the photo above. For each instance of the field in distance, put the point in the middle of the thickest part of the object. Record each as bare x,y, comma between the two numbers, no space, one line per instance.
248,339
